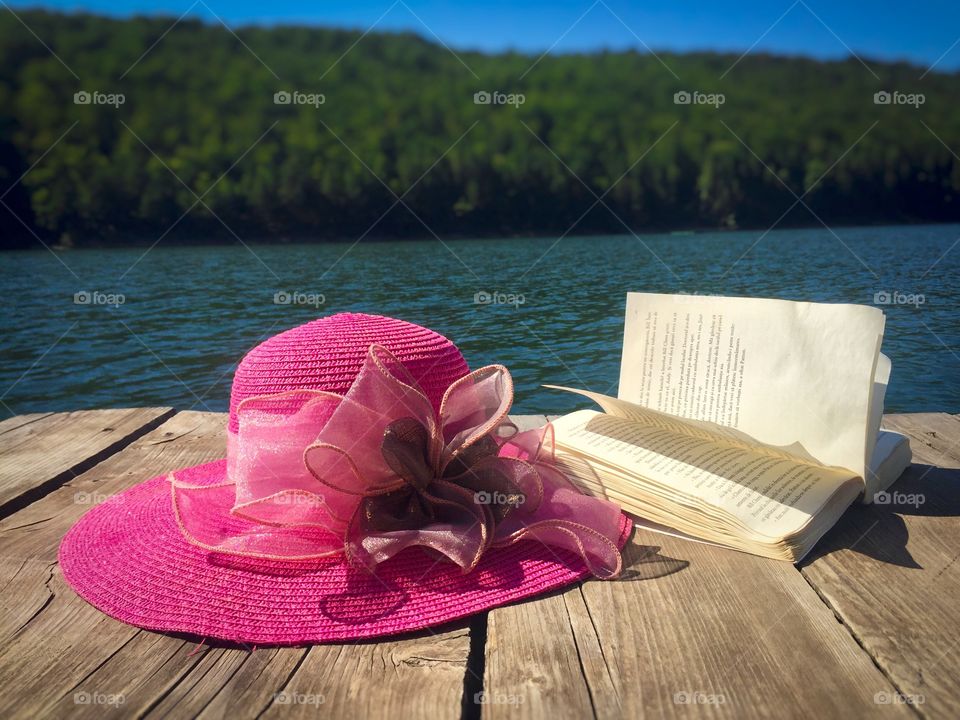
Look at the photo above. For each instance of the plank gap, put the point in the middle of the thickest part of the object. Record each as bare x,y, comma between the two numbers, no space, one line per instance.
14,421
180,677
46,487
579,652
470,709
860,642
283,686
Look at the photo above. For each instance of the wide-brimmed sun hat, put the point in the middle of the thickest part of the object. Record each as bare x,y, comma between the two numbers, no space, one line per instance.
372,486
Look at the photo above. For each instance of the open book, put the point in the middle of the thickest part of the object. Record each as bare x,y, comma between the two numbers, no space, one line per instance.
745,422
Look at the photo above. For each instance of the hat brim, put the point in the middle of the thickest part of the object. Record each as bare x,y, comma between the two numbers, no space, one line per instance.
128,558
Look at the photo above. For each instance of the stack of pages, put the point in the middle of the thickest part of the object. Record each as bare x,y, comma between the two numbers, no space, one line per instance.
744,422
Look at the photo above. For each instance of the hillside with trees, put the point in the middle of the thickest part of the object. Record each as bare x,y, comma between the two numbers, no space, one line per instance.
205,143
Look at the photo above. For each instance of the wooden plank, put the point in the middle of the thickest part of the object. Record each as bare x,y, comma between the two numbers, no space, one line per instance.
61,657
17,421
40,452
934,437
690,628
739,636
892,572
242,694
421,677
722,633
51,641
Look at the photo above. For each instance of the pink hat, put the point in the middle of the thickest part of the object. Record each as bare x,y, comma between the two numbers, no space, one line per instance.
372,486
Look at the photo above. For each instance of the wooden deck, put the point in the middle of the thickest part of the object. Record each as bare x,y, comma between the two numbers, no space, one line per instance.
870,626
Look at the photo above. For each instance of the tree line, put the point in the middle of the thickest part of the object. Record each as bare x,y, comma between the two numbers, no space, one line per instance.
123,131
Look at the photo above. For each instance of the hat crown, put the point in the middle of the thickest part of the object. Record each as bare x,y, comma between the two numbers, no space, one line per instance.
327,354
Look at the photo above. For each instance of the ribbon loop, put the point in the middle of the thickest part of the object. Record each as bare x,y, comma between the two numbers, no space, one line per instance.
406,448
376,471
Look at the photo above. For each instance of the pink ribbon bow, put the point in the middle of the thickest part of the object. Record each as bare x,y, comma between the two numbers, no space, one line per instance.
373,472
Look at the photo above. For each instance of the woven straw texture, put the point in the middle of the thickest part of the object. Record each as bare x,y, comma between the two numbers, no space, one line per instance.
129,558
327,354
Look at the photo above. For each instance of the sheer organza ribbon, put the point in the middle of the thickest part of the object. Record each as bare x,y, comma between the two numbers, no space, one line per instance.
377,470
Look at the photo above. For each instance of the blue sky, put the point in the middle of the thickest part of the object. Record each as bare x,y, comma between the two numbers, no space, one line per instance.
921,32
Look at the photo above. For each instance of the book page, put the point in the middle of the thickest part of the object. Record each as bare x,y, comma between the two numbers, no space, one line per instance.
698,428
782,372
772,496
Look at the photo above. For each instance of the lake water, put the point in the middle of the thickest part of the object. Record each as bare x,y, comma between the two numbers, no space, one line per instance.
189,314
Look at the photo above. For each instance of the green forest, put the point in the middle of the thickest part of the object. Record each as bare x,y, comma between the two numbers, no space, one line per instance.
123,131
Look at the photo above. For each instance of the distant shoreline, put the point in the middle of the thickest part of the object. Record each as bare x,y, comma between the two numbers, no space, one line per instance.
304,239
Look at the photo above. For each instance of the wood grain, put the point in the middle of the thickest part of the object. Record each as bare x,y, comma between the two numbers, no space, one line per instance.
42,451
53,645
61,657
730,635
420,677
690,630
693,629
16,421
892,572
